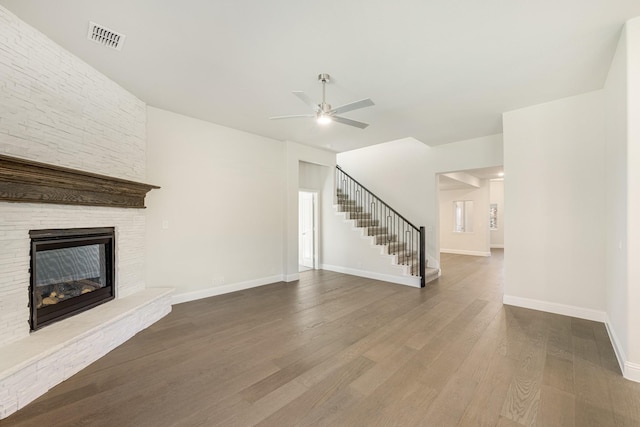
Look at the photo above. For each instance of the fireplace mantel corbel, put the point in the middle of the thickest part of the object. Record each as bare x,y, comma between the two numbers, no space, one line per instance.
34,182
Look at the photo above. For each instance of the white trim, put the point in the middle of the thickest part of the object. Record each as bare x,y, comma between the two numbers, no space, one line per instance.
437,276
463,252
553,307
407,281
316,226
630,370
291,277
496,246
219,290
615,342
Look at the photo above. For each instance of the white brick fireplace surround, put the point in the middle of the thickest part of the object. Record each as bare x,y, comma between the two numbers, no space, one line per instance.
56,109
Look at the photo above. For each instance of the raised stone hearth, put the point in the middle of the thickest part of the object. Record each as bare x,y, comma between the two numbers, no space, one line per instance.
31,366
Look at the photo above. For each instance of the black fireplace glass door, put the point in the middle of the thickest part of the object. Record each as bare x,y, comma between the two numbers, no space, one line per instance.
72,270
66,273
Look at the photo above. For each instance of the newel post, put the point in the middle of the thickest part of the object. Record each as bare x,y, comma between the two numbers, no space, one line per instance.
422,257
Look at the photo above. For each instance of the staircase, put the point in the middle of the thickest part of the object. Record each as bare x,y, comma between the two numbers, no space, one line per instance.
388,228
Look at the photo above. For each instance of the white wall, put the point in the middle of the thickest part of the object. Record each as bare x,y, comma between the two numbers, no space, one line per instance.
312,176
553,158
56,109
216,224
475,242
347,249
226,217
496,196
615,92
633,197
403,174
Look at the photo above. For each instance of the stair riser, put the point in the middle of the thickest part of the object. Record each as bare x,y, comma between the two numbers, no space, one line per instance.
349,208
359,215
366,222
373,231
384,239
406,252
397,246
406,258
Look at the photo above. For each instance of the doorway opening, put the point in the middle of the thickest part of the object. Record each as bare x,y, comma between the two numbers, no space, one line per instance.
471,211
307,230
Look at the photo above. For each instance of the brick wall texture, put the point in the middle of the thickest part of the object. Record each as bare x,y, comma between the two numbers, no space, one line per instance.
56,109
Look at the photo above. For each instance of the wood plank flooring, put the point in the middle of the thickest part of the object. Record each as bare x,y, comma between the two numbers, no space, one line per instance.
339,350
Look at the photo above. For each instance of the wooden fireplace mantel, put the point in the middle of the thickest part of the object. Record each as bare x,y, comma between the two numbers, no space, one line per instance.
34,182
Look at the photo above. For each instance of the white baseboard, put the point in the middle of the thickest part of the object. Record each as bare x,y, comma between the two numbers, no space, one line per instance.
553,307
219,290
615,342
407,281
463,252
630,370
291,277
496,246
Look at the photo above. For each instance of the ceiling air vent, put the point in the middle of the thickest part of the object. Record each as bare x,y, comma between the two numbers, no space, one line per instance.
105,36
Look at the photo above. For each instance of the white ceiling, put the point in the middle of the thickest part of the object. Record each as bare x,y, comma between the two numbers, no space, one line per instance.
438,70
445,183
495,172
450,183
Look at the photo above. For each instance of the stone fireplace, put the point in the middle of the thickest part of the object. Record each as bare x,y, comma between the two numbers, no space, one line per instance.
72,277
73,148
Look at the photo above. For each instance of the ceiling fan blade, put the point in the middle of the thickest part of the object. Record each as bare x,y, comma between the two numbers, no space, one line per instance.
304,98
353,106
296,116
349,122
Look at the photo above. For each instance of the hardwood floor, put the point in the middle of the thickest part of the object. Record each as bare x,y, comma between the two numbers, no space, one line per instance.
339,350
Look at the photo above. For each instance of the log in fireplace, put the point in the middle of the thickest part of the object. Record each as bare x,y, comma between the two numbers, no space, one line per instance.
72,270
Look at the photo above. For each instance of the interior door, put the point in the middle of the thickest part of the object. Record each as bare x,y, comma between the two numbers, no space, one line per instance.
307,226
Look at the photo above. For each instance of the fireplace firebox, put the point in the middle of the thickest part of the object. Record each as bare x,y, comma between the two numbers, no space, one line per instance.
72,270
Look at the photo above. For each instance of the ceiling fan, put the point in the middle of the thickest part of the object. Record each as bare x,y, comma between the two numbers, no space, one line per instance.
324,113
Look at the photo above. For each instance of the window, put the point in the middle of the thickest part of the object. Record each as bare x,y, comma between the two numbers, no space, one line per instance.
493,216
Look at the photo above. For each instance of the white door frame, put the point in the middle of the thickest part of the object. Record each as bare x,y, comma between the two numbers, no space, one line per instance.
316,196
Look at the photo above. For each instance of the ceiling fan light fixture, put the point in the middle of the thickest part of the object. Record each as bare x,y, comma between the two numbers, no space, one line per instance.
324,119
